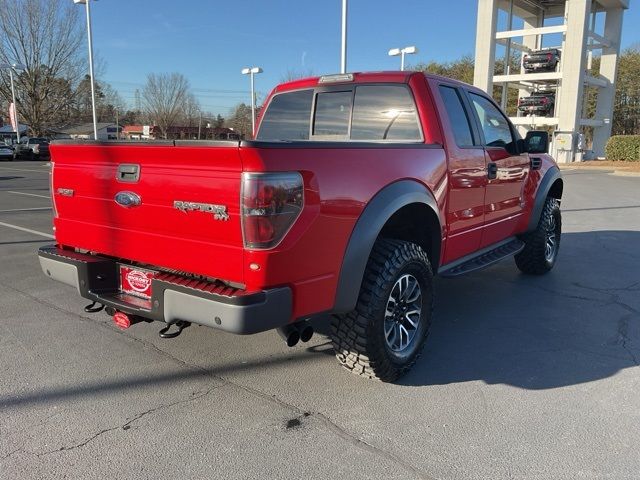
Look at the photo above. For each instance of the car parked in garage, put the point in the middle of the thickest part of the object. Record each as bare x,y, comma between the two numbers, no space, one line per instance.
538,103
541,61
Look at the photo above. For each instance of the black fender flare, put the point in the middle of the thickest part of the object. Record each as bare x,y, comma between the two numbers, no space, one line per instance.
544,188
375,215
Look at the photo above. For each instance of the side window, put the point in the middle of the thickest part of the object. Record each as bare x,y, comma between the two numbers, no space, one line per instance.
333,112
384,112
497,132
287,117
457,116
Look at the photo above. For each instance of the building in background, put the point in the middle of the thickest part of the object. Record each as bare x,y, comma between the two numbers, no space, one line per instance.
106,131
8,135
148,132
557,74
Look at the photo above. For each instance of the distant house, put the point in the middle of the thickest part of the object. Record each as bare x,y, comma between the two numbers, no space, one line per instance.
8,135
106,131
140,132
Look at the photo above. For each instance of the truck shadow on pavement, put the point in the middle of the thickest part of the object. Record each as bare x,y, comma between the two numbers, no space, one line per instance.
579,323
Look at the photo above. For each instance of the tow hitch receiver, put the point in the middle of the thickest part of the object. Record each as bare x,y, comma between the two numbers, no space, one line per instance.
123,321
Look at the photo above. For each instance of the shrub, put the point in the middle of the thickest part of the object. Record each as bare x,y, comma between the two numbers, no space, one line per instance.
623,147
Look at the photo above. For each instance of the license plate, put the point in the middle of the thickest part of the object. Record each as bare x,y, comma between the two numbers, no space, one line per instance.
136,281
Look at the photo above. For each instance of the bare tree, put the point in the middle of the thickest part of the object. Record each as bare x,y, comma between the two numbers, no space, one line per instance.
240,119
165,96
46,37
191,112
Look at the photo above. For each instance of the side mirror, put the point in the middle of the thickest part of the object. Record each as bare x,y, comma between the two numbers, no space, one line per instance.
537,141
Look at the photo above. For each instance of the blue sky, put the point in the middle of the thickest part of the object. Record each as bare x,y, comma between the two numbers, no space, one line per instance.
210,41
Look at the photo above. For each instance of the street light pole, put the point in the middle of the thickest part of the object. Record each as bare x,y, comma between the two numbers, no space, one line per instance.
253,106
394,52
343,56
251,72
91,74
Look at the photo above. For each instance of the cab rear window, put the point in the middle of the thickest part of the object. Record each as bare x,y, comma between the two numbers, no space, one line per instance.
287,117
384,112
374,113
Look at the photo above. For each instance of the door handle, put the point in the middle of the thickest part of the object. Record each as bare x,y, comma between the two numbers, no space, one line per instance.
128,172
492,171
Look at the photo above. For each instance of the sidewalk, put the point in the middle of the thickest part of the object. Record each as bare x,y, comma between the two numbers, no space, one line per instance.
631,169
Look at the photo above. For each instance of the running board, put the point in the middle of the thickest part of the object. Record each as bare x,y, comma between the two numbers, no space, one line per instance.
483,258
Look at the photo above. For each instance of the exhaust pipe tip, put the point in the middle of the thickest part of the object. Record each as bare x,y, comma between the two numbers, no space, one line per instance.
293,338
290,334
306,333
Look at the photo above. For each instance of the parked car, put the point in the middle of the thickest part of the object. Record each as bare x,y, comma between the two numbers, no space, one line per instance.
6,152
31,148
358,189
538,103
541,61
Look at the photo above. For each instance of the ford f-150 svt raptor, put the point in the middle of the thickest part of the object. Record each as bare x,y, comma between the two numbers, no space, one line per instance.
357,190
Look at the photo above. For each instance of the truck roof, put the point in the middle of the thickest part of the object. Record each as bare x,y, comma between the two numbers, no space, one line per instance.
359,77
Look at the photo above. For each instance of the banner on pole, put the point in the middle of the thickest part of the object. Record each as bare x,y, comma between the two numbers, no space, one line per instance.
12,117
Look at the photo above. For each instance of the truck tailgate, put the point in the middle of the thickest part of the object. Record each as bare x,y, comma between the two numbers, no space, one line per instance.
178,223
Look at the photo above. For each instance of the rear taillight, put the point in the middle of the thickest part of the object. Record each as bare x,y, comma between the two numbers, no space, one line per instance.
549,57
545,100
271,203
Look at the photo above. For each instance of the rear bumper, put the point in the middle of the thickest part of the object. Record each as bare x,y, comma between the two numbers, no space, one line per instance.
533,108
174,297
529,67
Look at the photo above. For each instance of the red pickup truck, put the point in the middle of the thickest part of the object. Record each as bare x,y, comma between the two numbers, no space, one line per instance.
357,189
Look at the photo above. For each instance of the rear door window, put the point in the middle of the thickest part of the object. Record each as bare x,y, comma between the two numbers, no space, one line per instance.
288,117
333,112
457,116
384,112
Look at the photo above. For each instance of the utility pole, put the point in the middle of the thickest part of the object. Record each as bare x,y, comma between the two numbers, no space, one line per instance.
200,126
117,126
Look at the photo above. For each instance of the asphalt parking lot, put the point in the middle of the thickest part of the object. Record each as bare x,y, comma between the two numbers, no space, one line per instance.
524,378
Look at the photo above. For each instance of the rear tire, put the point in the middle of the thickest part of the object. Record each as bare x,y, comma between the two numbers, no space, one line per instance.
384,336
543,244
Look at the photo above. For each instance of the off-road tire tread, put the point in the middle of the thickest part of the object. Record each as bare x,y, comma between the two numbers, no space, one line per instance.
356,349
531,259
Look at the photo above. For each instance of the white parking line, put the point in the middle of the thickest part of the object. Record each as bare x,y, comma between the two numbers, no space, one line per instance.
25,209
29,194
25,170
28,230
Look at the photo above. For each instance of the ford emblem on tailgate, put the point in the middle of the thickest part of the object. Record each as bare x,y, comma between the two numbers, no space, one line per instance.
128,199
